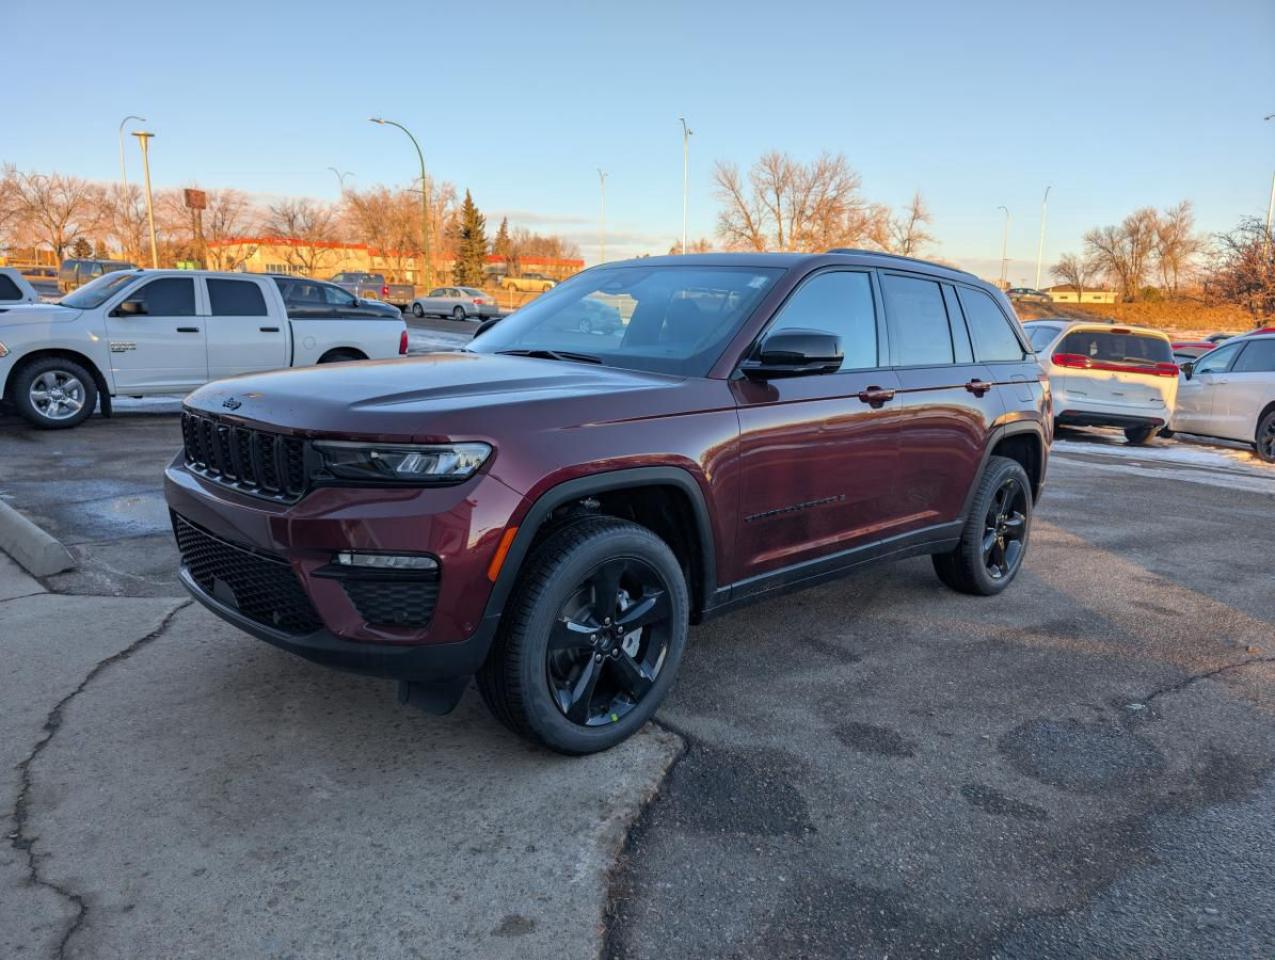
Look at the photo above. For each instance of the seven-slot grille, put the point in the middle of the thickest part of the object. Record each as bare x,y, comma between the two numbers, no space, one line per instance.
255,461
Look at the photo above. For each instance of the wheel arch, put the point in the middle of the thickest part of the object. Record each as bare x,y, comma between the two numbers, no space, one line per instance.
666,500
356,354
99,379
1266,410
1023,441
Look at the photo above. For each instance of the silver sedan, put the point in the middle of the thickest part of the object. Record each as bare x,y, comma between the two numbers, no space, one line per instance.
459,303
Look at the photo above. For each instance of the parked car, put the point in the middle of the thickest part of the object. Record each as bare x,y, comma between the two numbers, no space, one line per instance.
1108,376
550,509
1187,350
40,273
309,299
74,274
528,283
590,315
459,303
1029,295
373,286
1230,394
1216,338
15,289
142,332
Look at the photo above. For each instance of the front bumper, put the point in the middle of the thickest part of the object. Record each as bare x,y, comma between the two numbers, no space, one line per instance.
460,526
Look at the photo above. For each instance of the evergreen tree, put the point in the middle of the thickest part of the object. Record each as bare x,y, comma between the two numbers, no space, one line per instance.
471,251
503,246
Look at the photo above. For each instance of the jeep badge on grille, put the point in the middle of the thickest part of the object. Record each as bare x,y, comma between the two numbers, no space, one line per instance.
230,403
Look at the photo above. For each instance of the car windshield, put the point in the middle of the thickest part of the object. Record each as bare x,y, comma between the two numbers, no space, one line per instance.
97,292
665,319
1041,334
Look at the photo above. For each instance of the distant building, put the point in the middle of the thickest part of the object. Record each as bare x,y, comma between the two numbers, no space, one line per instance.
1066,293
323,259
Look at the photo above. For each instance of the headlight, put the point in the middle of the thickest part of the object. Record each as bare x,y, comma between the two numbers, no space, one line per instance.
402,463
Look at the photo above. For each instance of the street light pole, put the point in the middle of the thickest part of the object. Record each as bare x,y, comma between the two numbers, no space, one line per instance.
340,178
686,146
123,168
1270,204
427,270
1040,247
1005,250
602,178
143,139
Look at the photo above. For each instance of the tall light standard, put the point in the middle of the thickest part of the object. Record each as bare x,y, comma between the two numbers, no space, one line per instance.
602,179
340,177
123,168
427,270
1005,250
1040,247
1270,204
686,147
143,140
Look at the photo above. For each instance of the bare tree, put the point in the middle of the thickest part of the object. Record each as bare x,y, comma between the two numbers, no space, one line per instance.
702,245
389,221
1124,252
1241,269
788,205
1176,245
230,216
907,232
56,209
123,219
307,230
1077,270
10,204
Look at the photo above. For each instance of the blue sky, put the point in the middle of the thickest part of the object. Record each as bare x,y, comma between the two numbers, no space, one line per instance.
1116,105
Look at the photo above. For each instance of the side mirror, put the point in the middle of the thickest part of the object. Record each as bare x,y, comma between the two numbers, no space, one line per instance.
1188,369
130,308
795,353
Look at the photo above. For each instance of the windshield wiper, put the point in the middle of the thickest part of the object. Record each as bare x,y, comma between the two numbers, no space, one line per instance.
544,354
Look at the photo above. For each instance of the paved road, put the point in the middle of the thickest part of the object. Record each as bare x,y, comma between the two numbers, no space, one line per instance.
878,767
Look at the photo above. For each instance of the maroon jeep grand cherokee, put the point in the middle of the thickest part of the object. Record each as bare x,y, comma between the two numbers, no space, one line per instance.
647,444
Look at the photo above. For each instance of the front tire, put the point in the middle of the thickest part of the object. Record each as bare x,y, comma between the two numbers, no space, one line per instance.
994,539
54,394
1265,440
458,313
1137,436
591,640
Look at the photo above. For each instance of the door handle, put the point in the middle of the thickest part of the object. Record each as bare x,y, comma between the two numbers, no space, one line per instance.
978,387
269,329
876,397
187,329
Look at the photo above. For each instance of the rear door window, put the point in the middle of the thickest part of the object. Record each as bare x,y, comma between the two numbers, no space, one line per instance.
1117,347
236,298
994,339
919,331
1258,357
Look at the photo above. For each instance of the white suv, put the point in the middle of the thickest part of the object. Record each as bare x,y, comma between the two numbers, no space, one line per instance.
1104,375
1230,393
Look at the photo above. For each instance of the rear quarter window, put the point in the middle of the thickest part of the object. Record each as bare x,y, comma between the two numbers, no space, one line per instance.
8,289
994,338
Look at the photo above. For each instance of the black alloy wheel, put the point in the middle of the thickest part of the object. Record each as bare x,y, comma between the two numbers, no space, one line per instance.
1004,529
609,642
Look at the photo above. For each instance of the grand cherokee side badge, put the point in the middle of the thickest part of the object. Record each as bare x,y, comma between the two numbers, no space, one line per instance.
230,403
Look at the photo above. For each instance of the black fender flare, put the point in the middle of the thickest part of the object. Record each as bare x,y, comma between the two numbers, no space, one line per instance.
998,434
604,482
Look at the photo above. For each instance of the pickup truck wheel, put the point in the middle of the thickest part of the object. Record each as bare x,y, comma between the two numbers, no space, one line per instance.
1137,436
53,393
417,310
592,638
994,540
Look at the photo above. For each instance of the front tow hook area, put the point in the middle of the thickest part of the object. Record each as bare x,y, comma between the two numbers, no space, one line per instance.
438,697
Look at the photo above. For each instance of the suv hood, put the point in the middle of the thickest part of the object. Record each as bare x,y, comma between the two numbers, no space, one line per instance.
422,398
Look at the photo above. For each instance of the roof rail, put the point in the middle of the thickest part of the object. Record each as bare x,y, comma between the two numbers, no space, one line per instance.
899,256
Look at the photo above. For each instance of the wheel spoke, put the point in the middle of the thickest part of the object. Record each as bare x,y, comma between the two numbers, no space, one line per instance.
998,556
581,693
1013,550
632,676
72,385
570,635
1015,526
652,608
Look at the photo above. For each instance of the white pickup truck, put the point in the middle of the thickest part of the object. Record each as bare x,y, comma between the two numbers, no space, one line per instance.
145,332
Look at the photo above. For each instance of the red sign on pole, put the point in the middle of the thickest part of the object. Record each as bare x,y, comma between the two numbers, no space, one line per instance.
196,199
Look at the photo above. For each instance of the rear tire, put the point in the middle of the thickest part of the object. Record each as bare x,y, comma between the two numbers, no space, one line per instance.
53,393
1137,436
1265,439
418,311
994,539
553,643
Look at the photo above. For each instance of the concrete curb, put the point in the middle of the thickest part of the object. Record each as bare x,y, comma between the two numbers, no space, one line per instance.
38,553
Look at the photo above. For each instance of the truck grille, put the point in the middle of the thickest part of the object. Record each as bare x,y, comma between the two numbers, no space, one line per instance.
393,603
262,588
255,461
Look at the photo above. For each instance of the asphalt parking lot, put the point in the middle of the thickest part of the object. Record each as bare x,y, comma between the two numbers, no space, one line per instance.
877,767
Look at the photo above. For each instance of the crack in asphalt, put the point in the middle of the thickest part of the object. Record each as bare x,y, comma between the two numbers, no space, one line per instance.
18,838
1207,675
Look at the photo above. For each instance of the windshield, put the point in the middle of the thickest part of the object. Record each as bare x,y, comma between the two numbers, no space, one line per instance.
1041,334
665,319
97,292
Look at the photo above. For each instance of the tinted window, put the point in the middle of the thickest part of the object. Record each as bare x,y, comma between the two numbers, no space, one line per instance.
839,302
236,298
919,334
1216,361
994,339
440,292
168,297
8,289
337,297
1041,334
1258,357
1117,347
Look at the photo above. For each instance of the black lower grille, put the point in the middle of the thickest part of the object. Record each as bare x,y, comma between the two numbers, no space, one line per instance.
255,461
261,587
393,603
